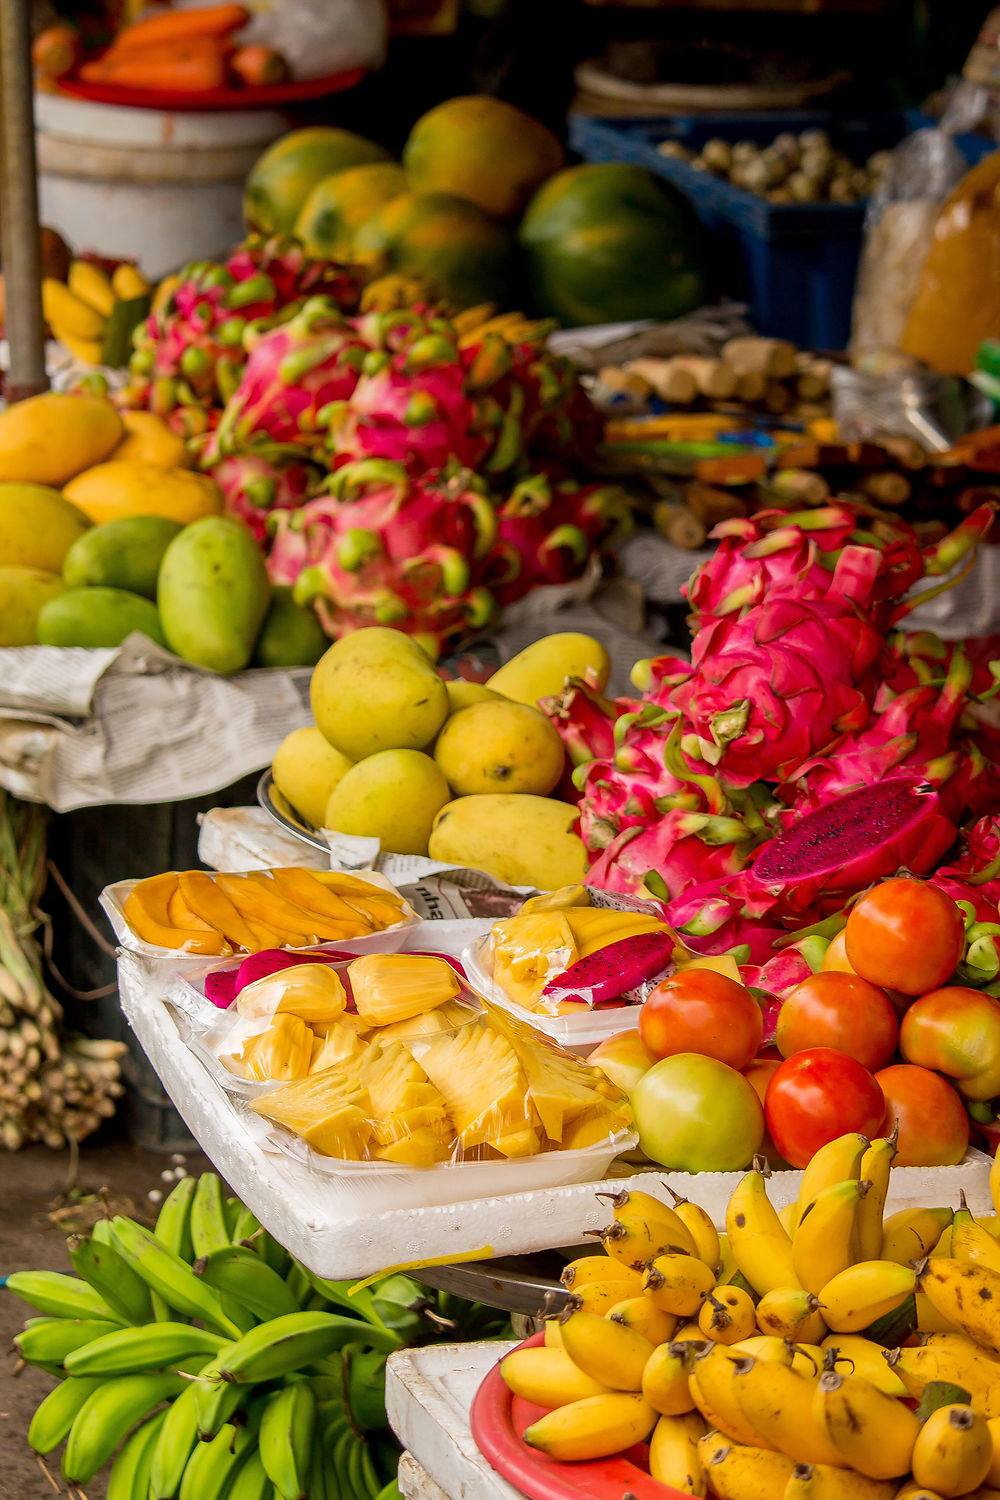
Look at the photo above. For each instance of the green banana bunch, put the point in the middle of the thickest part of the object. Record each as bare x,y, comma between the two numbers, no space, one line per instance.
285,1441
238,1273
107,1417
101,1266
48,1341
129,1477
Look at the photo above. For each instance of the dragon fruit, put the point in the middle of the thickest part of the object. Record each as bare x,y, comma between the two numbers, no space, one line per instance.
613,973
710,920
666,857
253,486
585,720
973,882
549,529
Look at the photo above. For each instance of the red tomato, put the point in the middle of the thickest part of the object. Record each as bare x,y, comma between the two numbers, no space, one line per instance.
933,1124
956,1031
816,1096
839,1010
700,1011
905,935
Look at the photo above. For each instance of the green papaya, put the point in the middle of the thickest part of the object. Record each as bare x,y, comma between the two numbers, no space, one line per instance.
96,617
291,635
213,594
23,593
122,554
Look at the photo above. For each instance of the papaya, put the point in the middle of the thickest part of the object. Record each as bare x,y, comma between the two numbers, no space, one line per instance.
281,180
462,253
96,617
133,487
148,438
291,635
338,206
608,242
123,554
23,594
482,149
38,526
49,438
213,593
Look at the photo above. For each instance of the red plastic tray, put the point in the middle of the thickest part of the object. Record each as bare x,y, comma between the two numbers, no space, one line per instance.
266,96
498,1419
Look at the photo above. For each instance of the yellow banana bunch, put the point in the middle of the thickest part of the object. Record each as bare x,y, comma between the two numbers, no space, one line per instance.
790,1312
912,1233
967,1293
712,1386
600,1268
82,311
608,1352
643,1316
970,1241
820,1482
856,1297
947,1357
838,1161
759,1242
953,1452
737,1471
673,1453
678,1284
826,1240
596,1427
777,1403
547,1377
869,1431
859,1356
727,1315
875,1168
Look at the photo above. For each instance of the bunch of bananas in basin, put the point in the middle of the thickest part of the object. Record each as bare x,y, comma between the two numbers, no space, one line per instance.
201,1360
825,1351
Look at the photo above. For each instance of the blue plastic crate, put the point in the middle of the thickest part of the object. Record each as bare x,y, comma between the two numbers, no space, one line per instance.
795,264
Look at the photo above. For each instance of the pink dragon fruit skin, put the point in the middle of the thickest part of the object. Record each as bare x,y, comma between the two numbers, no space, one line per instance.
710,920
223,985
254,486
681,849
420,418
614,972
585,720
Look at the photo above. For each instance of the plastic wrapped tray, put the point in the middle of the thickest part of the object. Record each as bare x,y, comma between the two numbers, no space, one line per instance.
580,1033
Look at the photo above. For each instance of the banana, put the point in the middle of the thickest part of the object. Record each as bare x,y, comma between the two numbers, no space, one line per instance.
111,1277
65,312
665,1383
821,1482
246,1227
825,1241
953,1452
609,1353
807,1359
47,1341
547,1377
876,1165
129,1476
286,1436
913,1491
173,1447
253,1481
87,351
60,1296
91,285
678,1284
856,1297
101,1231
286,1344
596,1427
838,1161
993,1476
870,1431
215,1399
598,1296
859,1356
967,1293
127,283
943,1245
928,1319
688,1332
209,1227
727,1267
627,1205
635,1241
673,1453
764,1346
108,1415
553,1333
788,1217
727,1315
55,1416
912,1233
170,1277
790,1312
128,1351
241,1276
737,1471
760,1246
173,1230
701,1228
355,1467
776,1402
949,1357
590,1268
970,1241
213,1464
711,1380
641,1315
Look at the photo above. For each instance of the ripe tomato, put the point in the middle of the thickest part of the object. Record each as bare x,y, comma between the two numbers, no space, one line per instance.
835,956
933,1124
816,1096
759,1073
956,1031
700,1011
694,1114
839,1010
905,935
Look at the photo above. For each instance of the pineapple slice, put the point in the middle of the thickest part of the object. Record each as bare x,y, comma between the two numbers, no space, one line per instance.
421,1148
594,1125
340,1044
561,1086
391,987
283,1051
444,1017
403,1099
529,950
524,1142
480,1080
314,992
329,1110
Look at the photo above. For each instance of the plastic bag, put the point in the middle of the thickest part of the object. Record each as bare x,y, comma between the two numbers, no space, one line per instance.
316,37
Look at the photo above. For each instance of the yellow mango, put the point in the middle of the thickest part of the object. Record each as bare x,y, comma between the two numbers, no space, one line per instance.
518,838
149,440
257,905
500,747
302,889
23,593
49,438
137,488
462,694
306,768
37,526
541,669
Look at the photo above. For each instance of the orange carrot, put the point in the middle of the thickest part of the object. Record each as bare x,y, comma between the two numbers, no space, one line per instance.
55,51
258,65
180,26
191,68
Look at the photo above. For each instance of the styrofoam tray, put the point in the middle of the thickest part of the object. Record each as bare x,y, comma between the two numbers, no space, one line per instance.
579,1033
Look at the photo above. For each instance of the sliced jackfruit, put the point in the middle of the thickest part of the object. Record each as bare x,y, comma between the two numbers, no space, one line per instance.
391,987
329,1110
283,1051
530,950
444,1017
313,992
340,1044
480,1079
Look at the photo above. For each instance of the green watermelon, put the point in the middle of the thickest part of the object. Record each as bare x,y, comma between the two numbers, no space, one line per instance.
608,242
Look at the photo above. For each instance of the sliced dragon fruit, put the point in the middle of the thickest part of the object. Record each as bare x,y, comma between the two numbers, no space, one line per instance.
614,972
220,987
273,960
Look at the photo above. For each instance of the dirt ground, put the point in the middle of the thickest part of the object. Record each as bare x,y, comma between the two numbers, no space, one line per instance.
44,1197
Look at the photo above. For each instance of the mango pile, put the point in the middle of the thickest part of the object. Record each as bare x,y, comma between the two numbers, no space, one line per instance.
465,773
194,912
414,1073
783,1358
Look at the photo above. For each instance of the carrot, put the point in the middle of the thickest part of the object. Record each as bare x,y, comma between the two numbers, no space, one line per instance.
192,68
254,66
180,26
55,51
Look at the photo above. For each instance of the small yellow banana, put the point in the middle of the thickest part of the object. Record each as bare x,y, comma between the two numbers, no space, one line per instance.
711,1381
993,1475
634,1240
547,1377
967,1293
701,1228
737,1471
596,1427
727,1315
943,1246
608,1352
820,1482
590,1268
553,1334
857,1296
790,1312
764,1346
665,1383
596,1296
825,1241
92,286
788,1217
949,1357
876,1165
727,1267
912,1233
929,1320
911,1490
870,1431
66,313
970,1241
688,1333
838,1161
759,1243
128,283
673,1453
628,1205
777,1403
678,1284
808,1359
642,1316
859,1356
953,1452
87,351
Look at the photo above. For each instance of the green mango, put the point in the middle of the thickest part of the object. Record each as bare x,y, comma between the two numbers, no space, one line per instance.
96,617
291,635
213,593
23,593
122,554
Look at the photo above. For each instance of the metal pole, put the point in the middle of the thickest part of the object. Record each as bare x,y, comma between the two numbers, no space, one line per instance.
19,233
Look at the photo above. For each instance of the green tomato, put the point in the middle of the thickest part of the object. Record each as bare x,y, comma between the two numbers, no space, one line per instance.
695,1114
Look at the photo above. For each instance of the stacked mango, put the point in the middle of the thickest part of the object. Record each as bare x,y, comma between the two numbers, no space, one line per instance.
223,914
823,1351
415,1073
